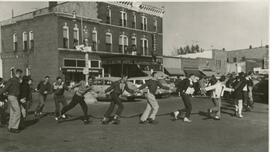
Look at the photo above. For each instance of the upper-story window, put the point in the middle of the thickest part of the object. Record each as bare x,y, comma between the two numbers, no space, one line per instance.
234,59
243,58
85,36
31,40
144,23
134,20
108,41
144,46
155,24
109,15
123,19
94,39
75,35
25,41
123,43
134,44
65,36
15,43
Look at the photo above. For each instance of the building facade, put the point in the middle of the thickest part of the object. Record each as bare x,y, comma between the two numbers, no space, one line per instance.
246,60
125,37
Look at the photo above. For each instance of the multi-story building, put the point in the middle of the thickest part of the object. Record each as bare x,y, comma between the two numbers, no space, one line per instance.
125,37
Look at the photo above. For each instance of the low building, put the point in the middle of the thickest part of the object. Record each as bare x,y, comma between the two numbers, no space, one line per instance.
246,60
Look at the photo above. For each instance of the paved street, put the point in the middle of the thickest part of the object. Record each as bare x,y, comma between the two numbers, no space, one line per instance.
205,135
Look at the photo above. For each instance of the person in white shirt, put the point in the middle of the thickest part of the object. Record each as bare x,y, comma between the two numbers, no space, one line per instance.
217,92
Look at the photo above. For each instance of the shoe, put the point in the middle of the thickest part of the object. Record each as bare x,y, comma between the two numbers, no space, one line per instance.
105,121
115,121
187,120
216,118
56,118
240,116
210,112
15,131
151,121
86,121
143,122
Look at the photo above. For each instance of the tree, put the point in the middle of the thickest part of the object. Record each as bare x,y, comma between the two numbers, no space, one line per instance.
192,48
197,48
187,49
182,50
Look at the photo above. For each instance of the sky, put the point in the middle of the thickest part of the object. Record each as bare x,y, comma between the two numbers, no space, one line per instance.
229,25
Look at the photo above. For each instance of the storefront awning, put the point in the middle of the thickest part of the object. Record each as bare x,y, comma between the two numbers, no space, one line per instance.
196,72
174,71
209,73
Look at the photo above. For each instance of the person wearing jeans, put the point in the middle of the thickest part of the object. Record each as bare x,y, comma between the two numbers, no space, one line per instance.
59,88
78,98
115,90
12,88
186,92
152,106
43,88
217,93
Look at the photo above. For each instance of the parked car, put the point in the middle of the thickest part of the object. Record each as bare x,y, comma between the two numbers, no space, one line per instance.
101,84
261,89
139,81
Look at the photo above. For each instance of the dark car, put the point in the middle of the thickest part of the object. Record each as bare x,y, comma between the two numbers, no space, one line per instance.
260,90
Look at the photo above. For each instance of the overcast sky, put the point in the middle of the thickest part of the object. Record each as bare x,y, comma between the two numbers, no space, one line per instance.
230,25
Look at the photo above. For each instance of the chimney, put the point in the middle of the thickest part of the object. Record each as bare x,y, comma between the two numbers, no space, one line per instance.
250,47
52,4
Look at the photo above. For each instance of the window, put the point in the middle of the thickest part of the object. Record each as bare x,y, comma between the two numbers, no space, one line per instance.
228,60
15,44
75,36
144,23
123,43
243,58
234,59
25,41
123,19
65,36
94,64
31,40
144,46
155,25
134,44
80,63
85,36
108,42
69,63
109,15
134,21
94,39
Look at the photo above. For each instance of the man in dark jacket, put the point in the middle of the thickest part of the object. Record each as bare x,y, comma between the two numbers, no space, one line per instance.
12,88
59,88
152,107
43,88
186,93
115,90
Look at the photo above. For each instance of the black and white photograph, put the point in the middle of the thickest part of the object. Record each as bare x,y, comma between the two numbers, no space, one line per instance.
134,76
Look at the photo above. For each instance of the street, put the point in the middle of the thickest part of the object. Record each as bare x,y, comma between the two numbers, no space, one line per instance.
230,134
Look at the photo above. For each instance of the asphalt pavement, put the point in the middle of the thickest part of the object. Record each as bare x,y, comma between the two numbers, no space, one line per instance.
230,134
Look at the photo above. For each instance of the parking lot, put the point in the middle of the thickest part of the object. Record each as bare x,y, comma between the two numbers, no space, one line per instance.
230,134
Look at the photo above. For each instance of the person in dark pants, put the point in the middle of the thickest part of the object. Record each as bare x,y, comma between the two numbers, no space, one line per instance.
25,91
3,106
44,88
115,90
59,88
186,92
78,98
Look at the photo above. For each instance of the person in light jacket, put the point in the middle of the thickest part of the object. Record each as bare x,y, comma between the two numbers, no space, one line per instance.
217,92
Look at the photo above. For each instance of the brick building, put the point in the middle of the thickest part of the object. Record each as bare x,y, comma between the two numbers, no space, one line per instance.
125,37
